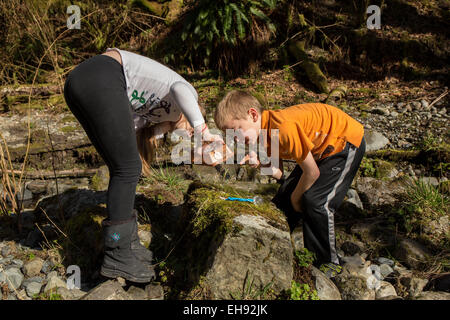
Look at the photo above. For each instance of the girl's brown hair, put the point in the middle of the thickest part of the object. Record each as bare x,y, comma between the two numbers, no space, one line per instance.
147,142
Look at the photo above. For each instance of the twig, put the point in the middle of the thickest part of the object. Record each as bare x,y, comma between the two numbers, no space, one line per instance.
288,67
51,221
438,98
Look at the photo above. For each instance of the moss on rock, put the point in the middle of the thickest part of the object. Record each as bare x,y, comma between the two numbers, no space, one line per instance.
83,245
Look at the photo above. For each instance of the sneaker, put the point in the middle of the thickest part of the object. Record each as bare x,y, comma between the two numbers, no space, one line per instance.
330,269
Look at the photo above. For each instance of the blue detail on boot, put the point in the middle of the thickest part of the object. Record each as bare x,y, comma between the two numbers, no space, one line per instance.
115,236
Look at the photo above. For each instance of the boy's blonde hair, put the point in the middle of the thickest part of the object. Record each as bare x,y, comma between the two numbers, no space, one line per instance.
235,106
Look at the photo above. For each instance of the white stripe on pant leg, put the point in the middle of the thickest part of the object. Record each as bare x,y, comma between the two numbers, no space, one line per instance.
331,233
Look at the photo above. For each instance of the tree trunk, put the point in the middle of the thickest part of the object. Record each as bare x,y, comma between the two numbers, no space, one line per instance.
315,75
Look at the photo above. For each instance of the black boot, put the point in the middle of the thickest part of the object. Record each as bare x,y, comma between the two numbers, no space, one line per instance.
119,259
141,252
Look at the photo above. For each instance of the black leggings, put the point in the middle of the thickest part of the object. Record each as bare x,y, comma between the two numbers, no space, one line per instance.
95,92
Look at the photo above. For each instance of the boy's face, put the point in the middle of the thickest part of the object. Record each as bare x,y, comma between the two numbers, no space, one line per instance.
247,128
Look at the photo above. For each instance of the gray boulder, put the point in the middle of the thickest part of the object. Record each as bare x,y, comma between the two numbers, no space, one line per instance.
326,289
259,250
385,290
33,288
33,268
109,290
375,140
14,278
433,295
412,253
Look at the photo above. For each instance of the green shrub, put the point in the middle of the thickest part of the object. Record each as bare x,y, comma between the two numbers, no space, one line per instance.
302,291
305,258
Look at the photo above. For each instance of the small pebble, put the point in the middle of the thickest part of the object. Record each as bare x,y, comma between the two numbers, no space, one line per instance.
383,260
385,270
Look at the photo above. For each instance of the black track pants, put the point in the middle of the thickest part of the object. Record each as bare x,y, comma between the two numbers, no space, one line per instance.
95,92
320,202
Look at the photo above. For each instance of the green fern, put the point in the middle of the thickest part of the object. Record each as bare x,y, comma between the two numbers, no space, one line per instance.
213,24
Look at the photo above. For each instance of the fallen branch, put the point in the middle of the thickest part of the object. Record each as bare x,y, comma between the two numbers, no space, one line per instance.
56,174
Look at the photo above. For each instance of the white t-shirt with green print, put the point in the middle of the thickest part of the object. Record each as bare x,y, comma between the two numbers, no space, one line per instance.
157,93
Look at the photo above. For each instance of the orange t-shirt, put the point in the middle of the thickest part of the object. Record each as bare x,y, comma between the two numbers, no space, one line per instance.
316,127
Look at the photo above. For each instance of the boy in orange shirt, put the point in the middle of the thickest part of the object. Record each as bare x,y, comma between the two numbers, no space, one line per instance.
328,146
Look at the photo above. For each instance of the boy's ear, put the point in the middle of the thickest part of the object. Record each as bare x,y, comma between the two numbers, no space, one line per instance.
253,113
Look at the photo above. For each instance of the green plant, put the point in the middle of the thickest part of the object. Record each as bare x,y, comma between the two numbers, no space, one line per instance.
367,169
302,291
167,176
249,292
424,197
305,258
212,26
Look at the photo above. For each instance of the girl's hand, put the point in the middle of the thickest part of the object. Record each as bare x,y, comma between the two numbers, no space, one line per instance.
206,135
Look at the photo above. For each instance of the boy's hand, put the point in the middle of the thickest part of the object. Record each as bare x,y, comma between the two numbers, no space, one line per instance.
252,159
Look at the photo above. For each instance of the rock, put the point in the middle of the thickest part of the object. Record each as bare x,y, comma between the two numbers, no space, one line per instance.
46,266
33,267
389,262
352,247
233,241
2,277
14,278
72,201
413,285
433,295
271,250
51,275
54,283
352,204
154,292
33,279
100,180
437,228
438,283
37,186
33,238
297,238
375,141
378,192
326,289
385,290
416,105
145,237
33,288
22,295
70,294
381,110
425,104
356,260
24,195
137,293
353,287
6,250
390,298
17,263
109,290
394,114
430,180
412,253
385,270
